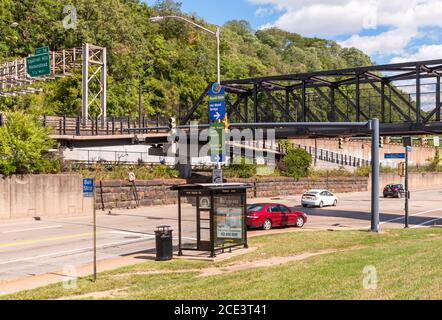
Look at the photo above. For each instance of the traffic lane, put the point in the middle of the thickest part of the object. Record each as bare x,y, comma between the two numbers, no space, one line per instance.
48,247
353,210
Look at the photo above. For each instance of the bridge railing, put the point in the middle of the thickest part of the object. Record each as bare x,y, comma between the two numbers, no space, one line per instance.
330,156
65,125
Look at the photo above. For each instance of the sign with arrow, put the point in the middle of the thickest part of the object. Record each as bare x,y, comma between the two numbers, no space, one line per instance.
217,142
217,102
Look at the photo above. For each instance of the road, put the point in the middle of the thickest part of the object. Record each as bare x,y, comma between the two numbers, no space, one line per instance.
29,247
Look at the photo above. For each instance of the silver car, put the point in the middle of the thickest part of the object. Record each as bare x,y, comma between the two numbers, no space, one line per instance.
319,198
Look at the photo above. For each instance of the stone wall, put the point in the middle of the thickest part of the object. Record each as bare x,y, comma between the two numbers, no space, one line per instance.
121,194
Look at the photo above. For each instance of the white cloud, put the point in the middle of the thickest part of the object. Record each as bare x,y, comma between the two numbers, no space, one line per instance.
425,52
330,18
265,11
386,43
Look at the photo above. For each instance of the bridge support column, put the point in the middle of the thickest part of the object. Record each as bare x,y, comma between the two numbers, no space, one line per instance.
374,125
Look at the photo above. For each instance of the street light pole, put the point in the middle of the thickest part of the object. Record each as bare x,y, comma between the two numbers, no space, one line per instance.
218,62
216,33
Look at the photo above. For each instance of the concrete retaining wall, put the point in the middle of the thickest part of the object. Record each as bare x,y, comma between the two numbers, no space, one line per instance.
42,196
415,180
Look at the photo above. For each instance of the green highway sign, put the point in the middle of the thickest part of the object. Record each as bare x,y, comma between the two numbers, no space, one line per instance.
42,50
217,136
38,65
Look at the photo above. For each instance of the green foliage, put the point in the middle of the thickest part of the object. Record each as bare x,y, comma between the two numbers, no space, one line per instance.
363,171
172,59
297,163
102,171
436,160
24,146
240,168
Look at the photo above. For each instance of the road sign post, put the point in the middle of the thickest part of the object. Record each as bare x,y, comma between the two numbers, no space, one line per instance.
89,192
217,142
217,111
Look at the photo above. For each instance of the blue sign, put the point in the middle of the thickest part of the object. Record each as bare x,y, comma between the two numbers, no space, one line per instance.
217,102
88,187
216,89
394,155
217,110
217,158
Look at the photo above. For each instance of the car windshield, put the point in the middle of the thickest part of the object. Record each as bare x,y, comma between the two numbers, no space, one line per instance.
311,193
254,207
397,186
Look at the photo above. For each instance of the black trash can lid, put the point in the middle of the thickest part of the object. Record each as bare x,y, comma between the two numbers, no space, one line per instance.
163,228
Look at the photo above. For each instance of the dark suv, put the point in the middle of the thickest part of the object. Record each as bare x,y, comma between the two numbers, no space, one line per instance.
394,190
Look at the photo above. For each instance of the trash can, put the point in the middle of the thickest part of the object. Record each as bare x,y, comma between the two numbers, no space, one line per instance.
163,242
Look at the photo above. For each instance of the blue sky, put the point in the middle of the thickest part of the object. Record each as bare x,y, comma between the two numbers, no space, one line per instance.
388,31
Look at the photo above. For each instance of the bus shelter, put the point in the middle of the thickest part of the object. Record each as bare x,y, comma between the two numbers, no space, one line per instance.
212,217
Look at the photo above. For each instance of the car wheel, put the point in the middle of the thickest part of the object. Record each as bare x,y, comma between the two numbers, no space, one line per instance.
335,203
321,204
397,195
304,205
385,195
299,222
267,225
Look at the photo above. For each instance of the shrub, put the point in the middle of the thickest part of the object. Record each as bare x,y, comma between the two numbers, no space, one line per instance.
363,171
240,168
297,163
25,145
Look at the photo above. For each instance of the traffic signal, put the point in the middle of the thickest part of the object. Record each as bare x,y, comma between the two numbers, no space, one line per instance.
401,169
225,122
381,142
172,123
341,143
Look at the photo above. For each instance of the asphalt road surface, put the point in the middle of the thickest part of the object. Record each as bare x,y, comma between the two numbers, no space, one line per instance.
29,247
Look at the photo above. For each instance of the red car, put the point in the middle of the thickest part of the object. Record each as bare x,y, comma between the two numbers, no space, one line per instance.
268,215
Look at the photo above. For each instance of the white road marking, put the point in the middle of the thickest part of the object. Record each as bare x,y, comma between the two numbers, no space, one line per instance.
32,229
133,234
411,215
61,253
426,222
403,217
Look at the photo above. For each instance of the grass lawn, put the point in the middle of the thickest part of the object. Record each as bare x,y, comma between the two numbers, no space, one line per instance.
408,265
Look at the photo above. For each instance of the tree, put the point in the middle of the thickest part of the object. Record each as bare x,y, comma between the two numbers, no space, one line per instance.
436,160
24,146
297,163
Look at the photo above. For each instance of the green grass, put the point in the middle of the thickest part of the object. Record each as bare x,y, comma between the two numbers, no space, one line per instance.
407,262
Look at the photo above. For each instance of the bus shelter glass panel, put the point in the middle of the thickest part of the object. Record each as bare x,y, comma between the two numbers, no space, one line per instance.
229,219
188,222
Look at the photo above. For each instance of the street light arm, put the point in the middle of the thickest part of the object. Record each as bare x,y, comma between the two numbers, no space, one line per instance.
154,19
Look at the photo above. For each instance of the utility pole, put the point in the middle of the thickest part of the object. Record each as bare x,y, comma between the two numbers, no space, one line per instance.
374,126
406,187
407,143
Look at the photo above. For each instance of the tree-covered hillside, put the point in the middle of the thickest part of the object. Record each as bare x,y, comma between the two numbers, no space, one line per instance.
173,60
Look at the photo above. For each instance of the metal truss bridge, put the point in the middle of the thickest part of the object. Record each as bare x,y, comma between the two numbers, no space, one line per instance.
405,97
